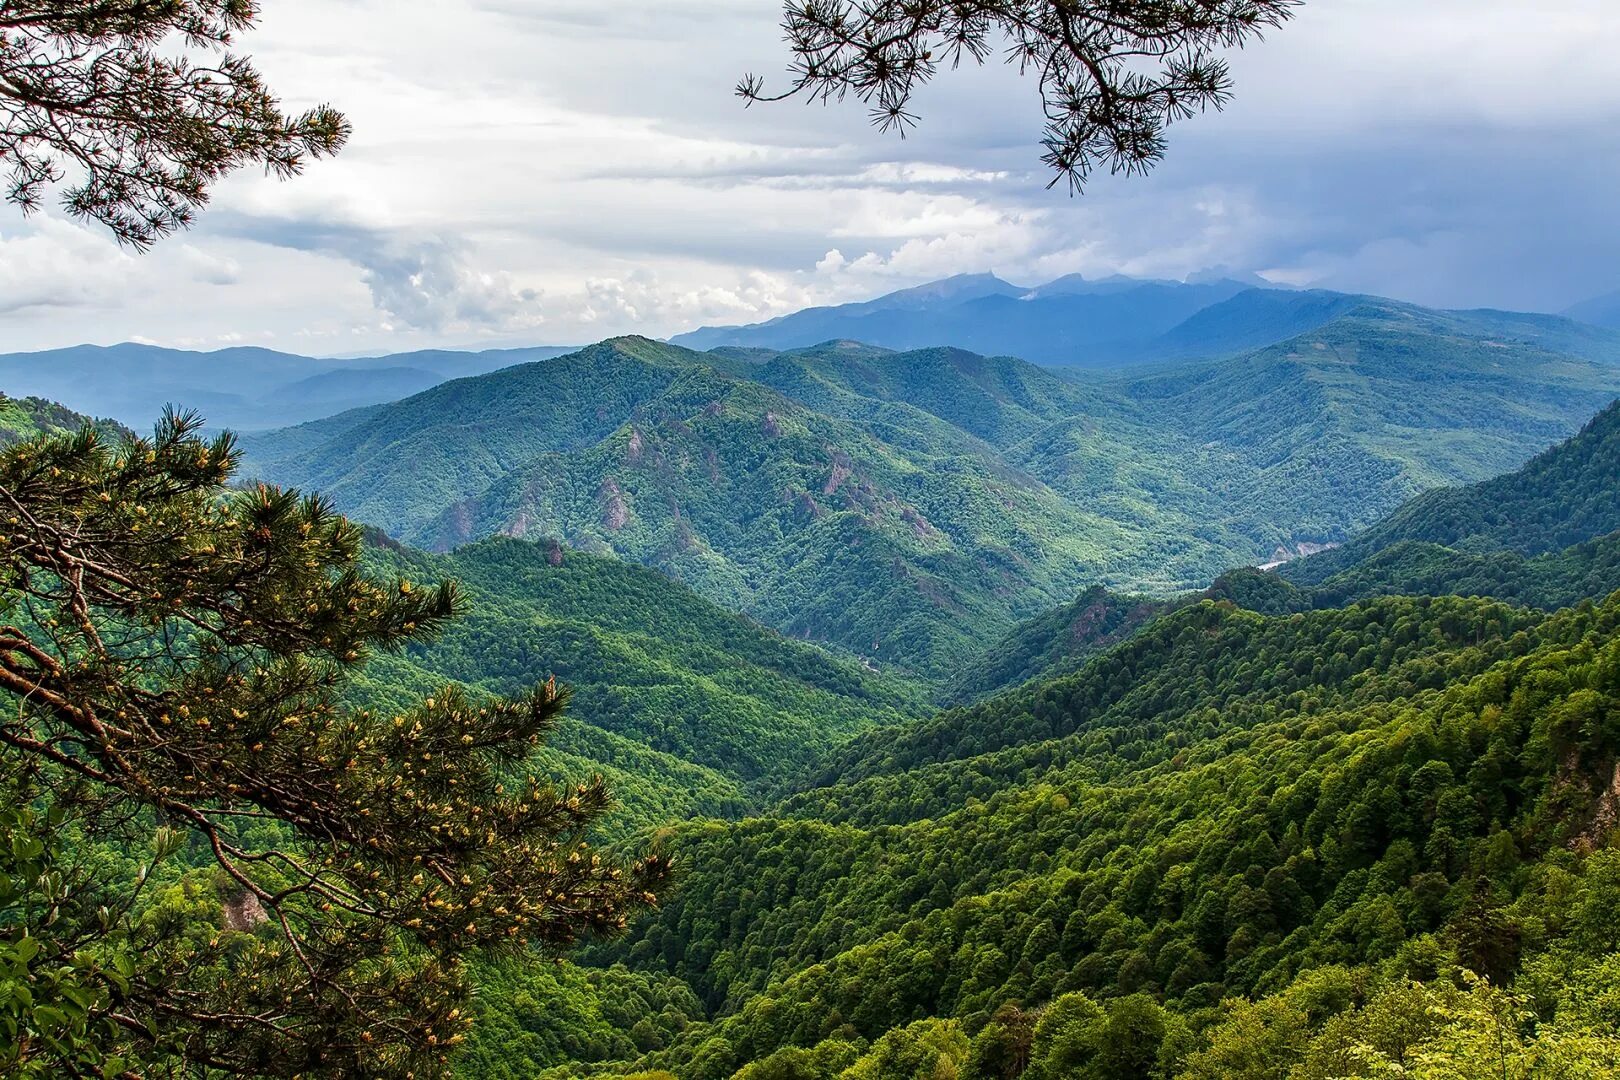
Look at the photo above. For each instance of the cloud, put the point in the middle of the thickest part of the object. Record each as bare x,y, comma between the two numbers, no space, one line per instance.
527,173
52,264
432,285
210,268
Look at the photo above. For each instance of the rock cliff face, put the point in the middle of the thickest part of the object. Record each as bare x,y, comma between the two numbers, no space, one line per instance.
1287,553
615,511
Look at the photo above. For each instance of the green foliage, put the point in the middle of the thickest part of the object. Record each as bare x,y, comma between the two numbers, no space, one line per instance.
176,663
1470,541
532,1014
1564,497
22,419
924,1050
1408,567
54,1002
687,710
1298,814
1055,643
912,507
648,661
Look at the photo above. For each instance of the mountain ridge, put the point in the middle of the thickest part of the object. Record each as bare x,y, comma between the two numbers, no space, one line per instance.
241,387
956,494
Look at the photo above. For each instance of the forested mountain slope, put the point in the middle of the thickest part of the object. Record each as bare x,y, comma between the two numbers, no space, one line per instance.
689,709
912,507
1304,810
30,417
1563,497
1410,390
1228,804
1062,640
1501,538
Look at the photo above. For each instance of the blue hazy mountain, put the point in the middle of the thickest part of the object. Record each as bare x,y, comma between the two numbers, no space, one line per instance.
1121,322
1599,310
243,388
1068,322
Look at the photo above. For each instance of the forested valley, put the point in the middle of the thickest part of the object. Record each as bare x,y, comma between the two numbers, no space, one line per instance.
594,585
1352,814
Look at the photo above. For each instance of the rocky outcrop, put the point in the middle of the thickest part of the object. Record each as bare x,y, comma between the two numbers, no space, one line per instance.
615,511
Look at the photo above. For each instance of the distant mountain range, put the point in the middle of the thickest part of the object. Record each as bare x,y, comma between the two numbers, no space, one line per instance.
244,388
1600,310
910,507
1073,322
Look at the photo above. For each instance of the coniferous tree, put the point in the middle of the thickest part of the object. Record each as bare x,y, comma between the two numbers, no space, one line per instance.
174,657
91,94
1104,101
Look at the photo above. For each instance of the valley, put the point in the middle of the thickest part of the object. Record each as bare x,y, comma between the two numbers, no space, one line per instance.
518,564
952,684
953,494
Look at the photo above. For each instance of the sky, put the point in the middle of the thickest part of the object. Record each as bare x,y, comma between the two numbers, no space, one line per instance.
561,171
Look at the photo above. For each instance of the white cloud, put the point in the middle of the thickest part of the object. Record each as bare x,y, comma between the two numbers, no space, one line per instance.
51,264
558,172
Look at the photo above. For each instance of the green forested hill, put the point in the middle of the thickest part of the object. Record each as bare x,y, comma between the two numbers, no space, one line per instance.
912,507
998,399
1377,405
1565,496
1063,639
1553,580
1503,538
687,708
1056,641
30,417
1230,804
1218,843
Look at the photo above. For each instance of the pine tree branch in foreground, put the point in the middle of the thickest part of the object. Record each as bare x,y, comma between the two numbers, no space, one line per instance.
93,94
1114,74
175,656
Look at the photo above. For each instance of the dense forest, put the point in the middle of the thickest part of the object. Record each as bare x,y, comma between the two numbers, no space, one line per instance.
689,710
1503,538
911,507
1332,816
1271,830
1105,679
1353,816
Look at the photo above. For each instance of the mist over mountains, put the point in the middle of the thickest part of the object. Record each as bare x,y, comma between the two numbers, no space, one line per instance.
241,388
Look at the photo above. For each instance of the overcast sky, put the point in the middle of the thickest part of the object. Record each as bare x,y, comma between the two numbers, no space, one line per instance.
558,171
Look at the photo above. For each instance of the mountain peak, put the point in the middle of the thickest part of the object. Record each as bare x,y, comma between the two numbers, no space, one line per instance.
1599,310
955,288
